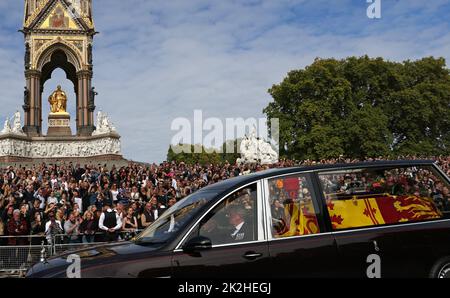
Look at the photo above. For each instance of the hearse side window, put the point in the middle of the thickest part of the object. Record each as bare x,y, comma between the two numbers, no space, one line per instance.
377,196
233,221
292,208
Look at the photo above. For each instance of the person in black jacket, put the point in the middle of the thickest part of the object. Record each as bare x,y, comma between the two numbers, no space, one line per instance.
37,229
78,173
7,212
28,195
242,231
89,227
147,217
36,209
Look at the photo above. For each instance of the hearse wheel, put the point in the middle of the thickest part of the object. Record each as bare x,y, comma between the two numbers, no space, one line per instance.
441,269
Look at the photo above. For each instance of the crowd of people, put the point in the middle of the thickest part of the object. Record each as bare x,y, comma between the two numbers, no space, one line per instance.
75,203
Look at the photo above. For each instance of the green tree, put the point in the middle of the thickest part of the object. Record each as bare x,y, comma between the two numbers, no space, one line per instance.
192,154
363,107
230,150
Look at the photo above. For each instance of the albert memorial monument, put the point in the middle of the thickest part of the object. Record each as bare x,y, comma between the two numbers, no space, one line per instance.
58,34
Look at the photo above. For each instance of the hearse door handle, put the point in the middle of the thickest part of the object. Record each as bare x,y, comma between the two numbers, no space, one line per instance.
375,245
251,255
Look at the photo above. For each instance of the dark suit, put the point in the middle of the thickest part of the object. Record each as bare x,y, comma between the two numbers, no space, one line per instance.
150,216
221,235
244,234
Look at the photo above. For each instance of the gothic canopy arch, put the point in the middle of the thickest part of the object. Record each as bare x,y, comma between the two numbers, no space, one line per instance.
59,60
44,56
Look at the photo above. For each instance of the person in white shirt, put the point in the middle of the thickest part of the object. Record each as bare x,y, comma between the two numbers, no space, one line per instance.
54,181
11,174
38,195
78,200
53,227
135,194
64,184
52,199
205,177
174,183
114,192
110,222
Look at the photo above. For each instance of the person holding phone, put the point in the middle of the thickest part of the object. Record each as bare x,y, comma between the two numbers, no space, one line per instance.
53,227
72,227
37,228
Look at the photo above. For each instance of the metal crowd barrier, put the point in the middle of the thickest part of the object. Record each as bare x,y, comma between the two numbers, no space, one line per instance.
97,237
21,240
28,250
18,259
67,248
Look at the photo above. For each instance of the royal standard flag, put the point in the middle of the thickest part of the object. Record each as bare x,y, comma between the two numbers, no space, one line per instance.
300,220
364,211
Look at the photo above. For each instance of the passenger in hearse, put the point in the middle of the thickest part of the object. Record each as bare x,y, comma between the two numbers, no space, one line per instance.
233,221
228,225
242,230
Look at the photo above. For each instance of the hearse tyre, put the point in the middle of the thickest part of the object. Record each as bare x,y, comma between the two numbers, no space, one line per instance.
441,269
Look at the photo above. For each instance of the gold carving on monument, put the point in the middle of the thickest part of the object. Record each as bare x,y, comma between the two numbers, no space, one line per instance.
39,43
88,22
38,53
36,11
78,44
58,101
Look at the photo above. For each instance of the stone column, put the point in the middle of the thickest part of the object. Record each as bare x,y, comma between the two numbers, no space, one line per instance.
85,123
33,113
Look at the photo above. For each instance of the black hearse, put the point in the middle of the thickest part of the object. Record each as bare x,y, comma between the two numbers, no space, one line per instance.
377,219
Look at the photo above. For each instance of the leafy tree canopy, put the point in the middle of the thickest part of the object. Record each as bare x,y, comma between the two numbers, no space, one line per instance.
363,107
191,154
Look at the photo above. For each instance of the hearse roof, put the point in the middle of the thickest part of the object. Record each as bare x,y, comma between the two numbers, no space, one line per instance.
245,179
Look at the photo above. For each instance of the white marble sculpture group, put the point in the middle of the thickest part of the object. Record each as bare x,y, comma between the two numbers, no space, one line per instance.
15,128
104,125
59,149
256,150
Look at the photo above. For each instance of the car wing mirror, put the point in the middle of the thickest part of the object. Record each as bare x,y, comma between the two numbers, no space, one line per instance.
197,244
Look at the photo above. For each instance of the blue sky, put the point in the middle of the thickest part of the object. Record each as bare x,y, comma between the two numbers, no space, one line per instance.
156,60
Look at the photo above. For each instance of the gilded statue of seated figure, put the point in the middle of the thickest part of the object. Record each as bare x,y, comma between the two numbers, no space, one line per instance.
58,101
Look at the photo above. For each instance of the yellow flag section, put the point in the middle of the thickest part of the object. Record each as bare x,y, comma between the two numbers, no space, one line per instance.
300,219
383,209
354,213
